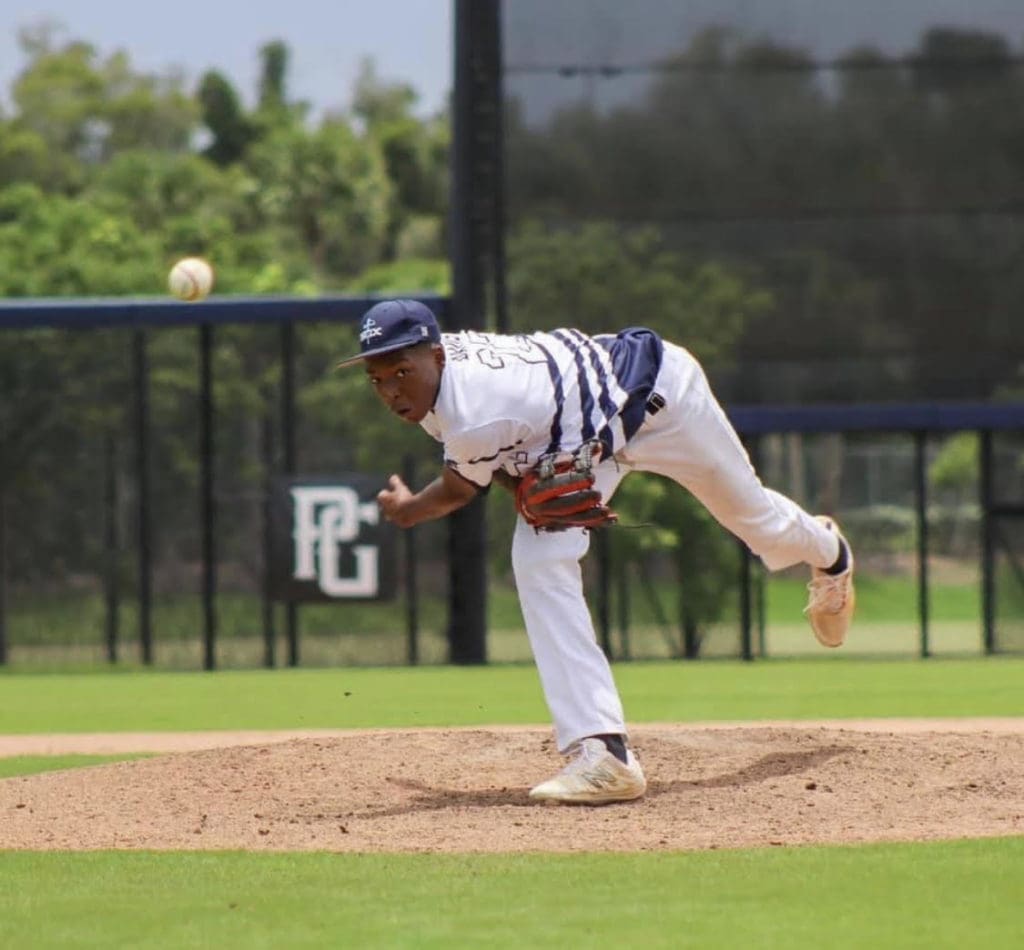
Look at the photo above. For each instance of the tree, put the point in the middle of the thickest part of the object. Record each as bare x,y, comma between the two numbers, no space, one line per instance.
601,278
223,115
272,93
416,158
86,109
330,188
104,182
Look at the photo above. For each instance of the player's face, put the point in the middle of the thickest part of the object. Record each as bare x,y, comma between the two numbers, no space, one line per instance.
407,380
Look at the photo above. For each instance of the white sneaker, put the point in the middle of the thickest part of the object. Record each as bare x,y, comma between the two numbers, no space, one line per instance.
593,777
832,597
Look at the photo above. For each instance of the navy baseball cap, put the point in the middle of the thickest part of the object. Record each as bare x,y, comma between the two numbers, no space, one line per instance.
394,325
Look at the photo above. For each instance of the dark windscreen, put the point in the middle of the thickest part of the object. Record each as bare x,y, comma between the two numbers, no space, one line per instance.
857,170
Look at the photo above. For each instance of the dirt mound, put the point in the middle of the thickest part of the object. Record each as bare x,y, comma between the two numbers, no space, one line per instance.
466,790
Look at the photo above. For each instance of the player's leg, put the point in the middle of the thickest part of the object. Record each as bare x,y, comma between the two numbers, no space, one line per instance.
574,672
692,441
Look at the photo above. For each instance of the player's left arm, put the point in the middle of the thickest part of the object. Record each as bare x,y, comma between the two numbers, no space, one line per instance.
445,494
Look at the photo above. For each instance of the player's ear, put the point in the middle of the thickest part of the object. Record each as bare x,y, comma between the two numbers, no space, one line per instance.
439,357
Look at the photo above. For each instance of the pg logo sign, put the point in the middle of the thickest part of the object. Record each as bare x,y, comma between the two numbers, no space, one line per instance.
329,542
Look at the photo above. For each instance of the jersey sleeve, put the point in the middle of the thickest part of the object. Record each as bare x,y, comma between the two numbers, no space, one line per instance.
477,453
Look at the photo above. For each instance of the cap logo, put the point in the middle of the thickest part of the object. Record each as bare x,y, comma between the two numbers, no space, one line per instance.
370,331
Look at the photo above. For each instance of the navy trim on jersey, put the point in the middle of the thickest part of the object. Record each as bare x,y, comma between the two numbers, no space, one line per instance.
586,397
454,466
491,458
605,401
555,444
636,354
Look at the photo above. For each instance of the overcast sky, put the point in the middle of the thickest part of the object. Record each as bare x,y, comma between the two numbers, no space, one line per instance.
410,40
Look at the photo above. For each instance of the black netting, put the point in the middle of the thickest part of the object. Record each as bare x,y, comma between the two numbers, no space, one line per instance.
70,488
858,166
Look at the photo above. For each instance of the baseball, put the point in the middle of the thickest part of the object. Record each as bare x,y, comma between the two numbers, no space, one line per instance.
190,279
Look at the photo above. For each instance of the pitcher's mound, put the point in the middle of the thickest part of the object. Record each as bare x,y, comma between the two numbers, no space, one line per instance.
466,790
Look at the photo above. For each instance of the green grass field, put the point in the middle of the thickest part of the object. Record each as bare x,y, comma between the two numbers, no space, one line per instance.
949,894
957,894
31,764
828,688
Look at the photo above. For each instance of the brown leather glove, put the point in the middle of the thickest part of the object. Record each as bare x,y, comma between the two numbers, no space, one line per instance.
560,495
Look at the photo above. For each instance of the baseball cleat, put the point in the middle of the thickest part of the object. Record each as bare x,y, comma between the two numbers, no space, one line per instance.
832,597
593,777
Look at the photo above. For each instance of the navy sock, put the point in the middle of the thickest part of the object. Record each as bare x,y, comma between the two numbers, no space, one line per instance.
842,562
616,745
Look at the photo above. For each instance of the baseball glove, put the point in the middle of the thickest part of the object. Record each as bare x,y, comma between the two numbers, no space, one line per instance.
558,495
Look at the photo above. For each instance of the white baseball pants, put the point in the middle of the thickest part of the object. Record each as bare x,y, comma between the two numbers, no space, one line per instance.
692,442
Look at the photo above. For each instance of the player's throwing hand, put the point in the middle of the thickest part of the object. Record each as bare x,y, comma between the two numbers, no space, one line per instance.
393,498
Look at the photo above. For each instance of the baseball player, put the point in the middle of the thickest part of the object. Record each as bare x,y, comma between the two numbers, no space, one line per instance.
560,418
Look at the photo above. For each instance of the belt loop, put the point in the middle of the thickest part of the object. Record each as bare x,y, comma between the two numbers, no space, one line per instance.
655,404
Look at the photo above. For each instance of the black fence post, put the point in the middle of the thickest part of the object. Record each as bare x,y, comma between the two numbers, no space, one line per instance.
761,609
921,499
623,607
477,68
3,575
988,592
497,165
746,605
111,567
412,607
467,583
142,469
288,439
207,505
746,574
604,583
267,603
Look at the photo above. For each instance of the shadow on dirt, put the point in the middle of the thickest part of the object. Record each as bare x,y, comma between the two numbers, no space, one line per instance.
427,798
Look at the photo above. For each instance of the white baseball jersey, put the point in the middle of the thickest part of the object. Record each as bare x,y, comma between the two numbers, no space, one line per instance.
505,401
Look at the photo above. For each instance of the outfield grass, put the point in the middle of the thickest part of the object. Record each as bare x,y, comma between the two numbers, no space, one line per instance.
950,894
439,696
31,764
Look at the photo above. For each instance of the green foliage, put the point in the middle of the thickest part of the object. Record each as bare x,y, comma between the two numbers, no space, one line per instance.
232,131
703,554
415,154
53,245
405,277
329,188
107,175
600,279
273,79
956,466
85,110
